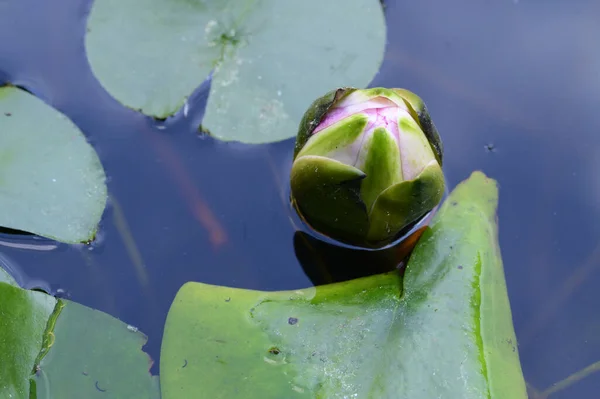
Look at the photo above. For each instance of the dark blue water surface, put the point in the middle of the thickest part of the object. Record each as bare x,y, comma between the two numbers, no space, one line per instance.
513,87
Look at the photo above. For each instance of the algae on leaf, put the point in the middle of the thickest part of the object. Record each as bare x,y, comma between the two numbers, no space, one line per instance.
270,58
51,180
445,330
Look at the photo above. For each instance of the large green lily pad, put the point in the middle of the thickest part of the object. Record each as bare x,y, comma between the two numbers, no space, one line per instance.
443,331
270,58
51,180
53,348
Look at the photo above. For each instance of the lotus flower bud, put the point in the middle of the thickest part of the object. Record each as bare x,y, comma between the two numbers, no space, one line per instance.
367,165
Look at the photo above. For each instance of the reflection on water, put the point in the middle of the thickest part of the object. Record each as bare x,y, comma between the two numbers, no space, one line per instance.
521,76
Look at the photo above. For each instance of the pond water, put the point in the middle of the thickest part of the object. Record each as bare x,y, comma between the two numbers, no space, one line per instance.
513,87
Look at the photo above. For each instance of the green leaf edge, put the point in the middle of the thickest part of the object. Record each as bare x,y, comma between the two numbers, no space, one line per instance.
48,333
496,340
91,235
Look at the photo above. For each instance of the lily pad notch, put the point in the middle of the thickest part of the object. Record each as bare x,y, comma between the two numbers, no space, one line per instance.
444,329
263,79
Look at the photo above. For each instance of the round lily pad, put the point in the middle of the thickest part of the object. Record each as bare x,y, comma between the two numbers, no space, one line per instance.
270,58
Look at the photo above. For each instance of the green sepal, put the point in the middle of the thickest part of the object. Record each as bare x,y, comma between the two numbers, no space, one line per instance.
336,137
313,115
382,166
419,112
405,202
326,194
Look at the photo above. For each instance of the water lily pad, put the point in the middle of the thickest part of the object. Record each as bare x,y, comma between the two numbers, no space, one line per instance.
443,331
270,58
94,355
53,348
51,180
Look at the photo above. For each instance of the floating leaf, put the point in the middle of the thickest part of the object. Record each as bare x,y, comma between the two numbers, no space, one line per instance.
94,355
444,331
51,180
270,58
53,348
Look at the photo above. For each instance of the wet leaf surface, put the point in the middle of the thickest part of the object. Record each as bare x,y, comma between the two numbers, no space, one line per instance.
23,318
270,59
66,350
94,355
444,330
51,180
